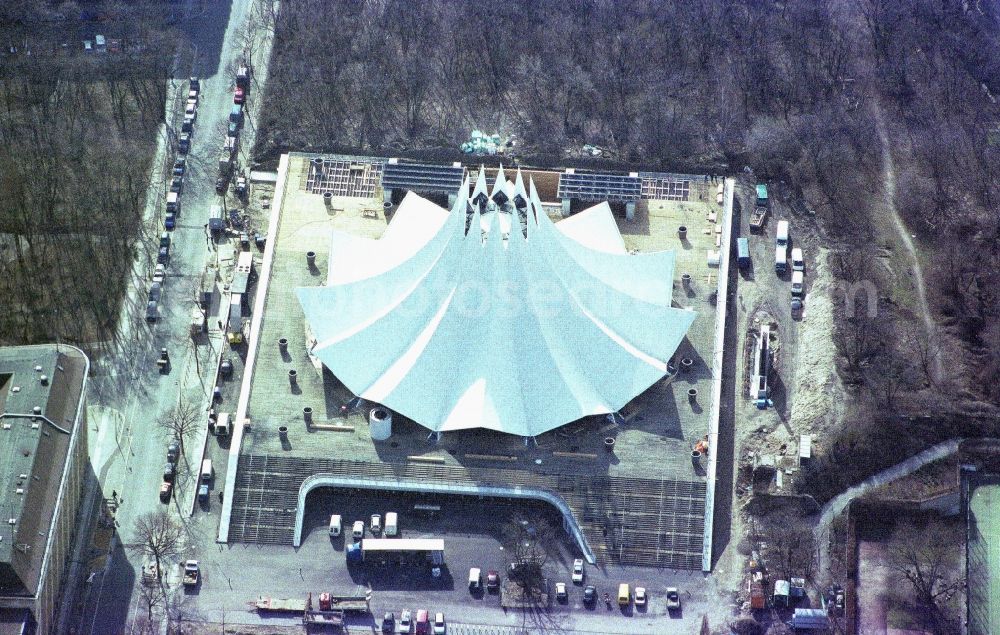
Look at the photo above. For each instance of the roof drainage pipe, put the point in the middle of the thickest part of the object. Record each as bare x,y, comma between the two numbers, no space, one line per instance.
329,480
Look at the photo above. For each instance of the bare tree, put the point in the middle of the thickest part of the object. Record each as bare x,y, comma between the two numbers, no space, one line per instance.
529,542
180,422
151,598
157,536
928,564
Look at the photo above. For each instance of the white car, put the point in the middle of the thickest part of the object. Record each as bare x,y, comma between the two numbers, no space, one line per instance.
359,530
405,621
577,571
376,524
439,627
640,596
561,594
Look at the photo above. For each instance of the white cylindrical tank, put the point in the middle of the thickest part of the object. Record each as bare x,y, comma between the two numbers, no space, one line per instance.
380,423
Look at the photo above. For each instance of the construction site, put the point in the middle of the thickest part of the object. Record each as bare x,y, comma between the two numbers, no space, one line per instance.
638,484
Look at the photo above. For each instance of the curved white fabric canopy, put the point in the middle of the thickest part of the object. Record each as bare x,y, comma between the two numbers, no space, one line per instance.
499,329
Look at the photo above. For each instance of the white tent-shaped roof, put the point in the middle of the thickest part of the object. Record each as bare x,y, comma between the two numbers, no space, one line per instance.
491,328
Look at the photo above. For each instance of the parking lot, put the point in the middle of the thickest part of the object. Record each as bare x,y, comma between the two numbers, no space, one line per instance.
473,532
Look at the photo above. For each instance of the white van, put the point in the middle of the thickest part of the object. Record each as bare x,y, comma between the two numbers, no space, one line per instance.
391,524
798,284
798,264
334,525
782,234
206,471
475,578
359,530
780,259
174,202
222,425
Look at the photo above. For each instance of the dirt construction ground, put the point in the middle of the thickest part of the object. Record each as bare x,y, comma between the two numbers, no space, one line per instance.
805,386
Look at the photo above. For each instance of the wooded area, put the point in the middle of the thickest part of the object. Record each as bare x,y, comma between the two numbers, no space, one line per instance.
77,132
73,179
808,94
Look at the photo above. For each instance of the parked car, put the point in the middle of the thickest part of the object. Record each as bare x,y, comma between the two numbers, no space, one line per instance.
439,627
191,109
180,164
405,621
388,623
589,594
561,594
239,95
177,184
221,185
423,622
188,125
673,599
376,524
194,84
184,142
233,130
358,531
154,291
169,470
796,307
170,221
493,581
640,596
163,255
203,493
159,273
578,573
165,490
152,312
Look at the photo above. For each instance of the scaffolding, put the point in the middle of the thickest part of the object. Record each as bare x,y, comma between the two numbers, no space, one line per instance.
355,177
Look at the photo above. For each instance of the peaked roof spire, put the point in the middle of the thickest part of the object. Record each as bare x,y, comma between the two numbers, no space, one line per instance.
500,184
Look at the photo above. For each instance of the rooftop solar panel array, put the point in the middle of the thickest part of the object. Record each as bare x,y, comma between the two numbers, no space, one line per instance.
422,177
600,187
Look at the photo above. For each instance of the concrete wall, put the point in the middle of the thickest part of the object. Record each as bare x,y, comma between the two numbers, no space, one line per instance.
63,532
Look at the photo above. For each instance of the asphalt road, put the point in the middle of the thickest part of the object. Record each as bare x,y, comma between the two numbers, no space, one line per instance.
129,394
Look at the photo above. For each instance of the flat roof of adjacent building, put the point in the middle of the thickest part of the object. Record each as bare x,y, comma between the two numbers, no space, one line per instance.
649,470
33,453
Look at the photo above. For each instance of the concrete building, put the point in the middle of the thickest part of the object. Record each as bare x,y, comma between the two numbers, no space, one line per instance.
624,476
43,456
